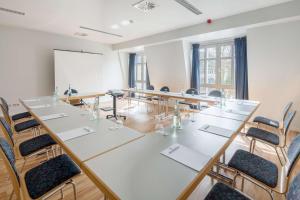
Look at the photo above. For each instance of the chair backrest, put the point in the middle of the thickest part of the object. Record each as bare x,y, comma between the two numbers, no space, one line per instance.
286,110
5,114
150,87
8,156
294,189
6,129
4,104
192,91
287,121
215,93
165,89
293,154
73,91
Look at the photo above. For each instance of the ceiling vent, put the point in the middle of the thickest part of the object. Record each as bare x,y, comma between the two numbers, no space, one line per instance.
100,31
189,6
145,5
12,11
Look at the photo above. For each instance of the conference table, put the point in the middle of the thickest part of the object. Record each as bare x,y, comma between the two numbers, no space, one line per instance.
126,164
165,96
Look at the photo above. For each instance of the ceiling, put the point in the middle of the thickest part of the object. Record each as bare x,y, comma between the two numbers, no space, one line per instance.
66,16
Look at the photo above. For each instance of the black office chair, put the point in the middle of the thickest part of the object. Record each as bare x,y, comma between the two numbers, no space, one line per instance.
215,93
31,147
269,138
41,181
165,89
271,122
191,91
22,126
220,191
15,117
263,172
73,91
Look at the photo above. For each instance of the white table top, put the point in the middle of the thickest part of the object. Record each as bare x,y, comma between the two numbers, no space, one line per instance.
87,146
138,170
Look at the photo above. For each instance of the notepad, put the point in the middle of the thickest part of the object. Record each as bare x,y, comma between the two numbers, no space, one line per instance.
217,130
186,156
40,106
31,100
239,112
53,116
74,133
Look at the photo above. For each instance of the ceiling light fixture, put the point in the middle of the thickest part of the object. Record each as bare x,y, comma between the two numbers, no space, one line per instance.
126,22
145,5
99,31
12,11
189,6
115,26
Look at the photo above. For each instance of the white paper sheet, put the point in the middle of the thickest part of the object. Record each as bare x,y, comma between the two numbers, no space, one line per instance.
239,112
186,156
74,133
40,106
217,130
53,116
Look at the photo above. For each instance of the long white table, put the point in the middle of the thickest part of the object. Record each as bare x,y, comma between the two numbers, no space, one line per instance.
125,164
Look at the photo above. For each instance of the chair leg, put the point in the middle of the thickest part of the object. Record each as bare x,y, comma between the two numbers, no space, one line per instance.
242,186
23,164
62,196
74,189
283,154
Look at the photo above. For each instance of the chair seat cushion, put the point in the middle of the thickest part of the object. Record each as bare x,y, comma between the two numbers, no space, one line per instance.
49,175
263,135
266,121
26,125
20,116
255,166
35,144
221,191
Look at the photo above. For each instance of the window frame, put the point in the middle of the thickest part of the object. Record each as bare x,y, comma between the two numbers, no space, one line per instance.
218,84
143,65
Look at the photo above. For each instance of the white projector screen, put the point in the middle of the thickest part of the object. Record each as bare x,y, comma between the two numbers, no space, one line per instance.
81,70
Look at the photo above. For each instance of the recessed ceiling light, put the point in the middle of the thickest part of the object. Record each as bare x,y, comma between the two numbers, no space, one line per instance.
126,22
115,26
81,34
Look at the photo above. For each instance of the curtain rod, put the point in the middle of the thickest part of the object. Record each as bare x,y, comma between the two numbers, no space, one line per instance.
79,51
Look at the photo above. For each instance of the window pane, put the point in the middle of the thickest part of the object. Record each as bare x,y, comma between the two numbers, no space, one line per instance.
211,72
145,74
226,51
211,52
202,71
138,59
138,85
226,67
202,54
138,72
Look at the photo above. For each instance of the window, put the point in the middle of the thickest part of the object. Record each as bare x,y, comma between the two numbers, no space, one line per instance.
141,71
217,67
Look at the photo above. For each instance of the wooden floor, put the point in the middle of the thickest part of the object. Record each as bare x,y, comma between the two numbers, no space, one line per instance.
141,120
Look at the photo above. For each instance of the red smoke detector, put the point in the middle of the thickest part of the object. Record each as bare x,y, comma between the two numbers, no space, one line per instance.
209,21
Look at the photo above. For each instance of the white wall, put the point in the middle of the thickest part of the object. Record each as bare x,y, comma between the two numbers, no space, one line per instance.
167,66
27,62
274,68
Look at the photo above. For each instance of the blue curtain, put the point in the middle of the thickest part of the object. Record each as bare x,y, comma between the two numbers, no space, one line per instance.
147,78
195,79
241,68
131,78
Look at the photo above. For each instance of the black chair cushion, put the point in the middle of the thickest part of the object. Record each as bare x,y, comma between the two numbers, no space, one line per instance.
26,125
35,144
255,166
294,189
266,121
49,175
20,116
221,191
263,135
